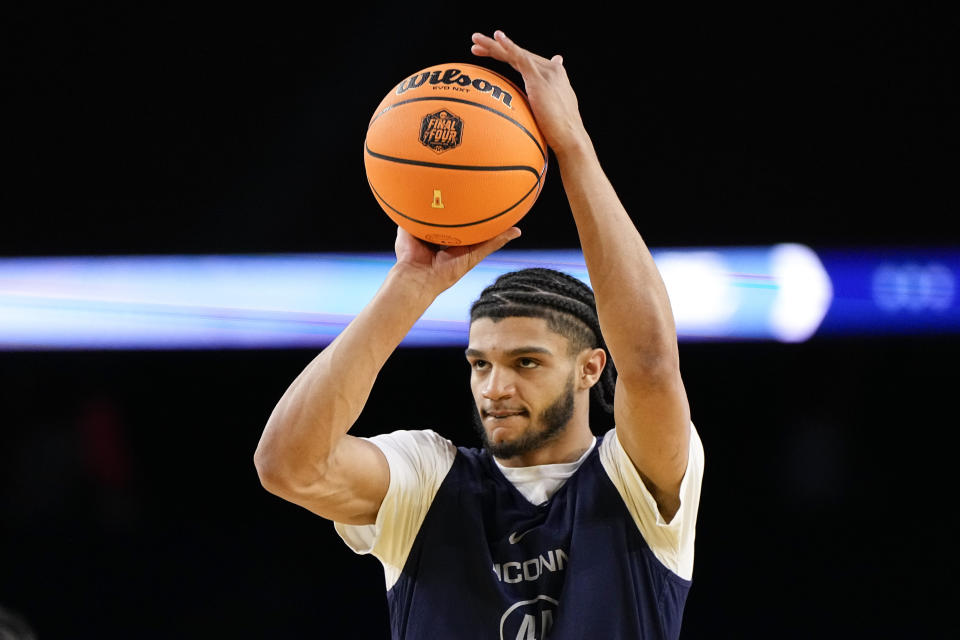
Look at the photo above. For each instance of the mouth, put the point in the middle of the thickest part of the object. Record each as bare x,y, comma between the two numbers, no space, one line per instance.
503,414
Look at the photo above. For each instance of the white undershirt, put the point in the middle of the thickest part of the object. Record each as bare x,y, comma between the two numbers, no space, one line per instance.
538,483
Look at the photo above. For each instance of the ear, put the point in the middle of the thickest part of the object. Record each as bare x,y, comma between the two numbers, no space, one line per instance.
590,364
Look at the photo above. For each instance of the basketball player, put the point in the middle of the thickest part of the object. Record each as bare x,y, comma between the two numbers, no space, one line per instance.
547,531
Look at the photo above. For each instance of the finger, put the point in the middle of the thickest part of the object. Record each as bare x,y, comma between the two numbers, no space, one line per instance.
484,249
484,45
479,38
518,57
502,48
406,241
501,44
405,237
480,50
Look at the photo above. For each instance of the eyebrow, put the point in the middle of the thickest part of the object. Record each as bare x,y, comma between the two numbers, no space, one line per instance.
519,351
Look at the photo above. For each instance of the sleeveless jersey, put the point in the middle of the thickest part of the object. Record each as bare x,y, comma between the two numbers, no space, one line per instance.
486,563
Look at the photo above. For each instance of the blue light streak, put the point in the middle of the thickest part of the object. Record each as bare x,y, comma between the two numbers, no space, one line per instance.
782,292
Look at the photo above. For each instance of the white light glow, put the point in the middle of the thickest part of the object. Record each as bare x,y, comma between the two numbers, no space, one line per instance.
805,292
701,289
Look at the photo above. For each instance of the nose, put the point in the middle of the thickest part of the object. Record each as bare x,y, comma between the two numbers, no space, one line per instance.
498,384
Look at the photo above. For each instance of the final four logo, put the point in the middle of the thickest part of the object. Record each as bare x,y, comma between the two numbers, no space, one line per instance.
441,131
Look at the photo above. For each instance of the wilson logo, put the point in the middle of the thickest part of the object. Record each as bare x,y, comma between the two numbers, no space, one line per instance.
454,78
441,131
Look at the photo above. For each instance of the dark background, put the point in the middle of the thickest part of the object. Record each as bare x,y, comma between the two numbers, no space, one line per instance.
129,505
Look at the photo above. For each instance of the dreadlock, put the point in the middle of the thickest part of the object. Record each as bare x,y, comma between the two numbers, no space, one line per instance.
566,303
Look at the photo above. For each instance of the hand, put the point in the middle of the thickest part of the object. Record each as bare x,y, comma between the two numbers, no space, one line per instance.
548,89
440,268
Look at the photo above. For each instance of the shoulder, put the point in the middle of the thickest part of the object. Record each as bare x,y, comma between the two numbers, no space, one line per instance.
414,446
611,450
625,476
419,461
671,542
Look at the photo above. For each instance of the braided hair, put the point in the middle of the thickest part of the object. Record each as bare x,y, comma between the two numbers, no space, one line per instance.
566,303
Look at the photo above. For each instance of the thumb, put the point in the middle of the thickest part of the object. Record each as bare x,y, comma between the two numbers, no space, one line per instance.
457,261
497,242
470,256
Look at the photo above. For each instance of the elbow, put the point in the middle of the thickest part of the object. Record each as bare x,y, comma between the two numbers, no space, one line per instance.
272,458
275,469
284,474
270,471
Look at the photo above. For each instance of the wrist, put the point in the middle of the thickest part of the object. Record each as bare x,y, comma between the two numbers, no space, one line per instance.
417,283
576,150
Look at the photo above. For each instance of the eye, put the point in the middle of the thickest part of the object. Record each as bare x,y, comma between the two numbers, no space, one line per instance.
527,363
479,365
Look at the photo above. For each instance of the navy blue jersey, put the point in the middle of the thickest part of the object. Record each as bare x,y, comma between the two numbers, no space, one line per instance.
487,563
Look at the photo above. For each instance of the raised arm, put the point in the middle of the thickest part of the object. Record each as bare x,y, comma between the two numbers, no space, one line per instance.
650,406
305,455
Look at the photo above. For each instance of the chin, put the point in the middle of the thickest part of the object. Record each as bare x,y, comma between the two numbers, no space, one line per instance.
520,434
499,435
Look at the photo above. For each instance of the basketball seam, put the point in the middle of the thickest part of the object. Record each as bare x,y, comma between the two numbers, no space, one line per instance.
463,224
456,167
462,101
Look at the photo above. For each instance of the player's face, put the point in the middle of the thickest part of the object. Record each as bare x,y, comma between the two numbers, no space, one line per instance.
522,380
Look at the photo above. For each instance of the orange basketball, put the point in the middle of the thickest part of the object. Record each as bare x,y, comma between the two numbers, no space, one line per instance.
453,154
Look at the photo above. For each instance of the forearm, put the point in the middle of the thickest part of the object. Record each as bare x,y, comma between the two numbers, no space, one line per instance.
632,301
327,397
